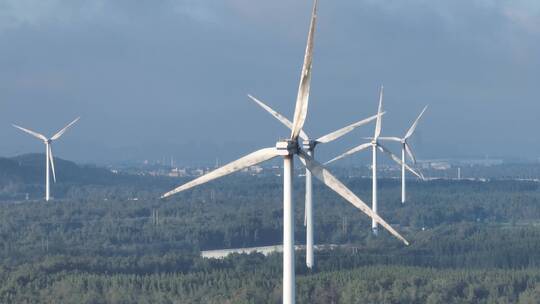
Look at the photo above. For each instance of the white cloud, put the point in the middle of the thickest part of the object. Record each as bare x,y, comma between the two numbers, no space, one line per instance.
16,13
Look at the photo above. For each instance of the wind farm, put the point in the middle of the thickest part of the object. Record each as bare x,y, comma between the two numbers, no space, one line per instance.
309,147
288,149
375,146
176,189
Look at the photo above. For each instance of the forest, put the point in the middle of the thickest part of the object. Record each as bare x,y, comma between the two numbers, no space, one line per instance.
112,240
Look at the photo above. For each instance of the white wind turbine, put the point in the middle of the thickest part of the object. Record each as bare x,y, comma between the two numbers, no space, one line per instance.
406,148
309,146
49,159
287,149
375,145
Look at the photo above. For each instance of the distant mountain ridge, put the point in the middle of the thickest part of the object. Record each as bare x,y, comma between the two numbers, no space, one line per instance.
30,169
25,175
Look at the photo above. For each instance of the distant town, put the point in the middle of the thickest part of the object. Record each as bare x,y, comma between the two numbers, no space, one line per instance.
454,169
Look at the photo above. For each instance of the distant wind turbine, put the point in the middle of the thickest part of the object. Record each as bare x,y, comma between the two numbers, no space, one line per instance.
287,149
309,146
406,148
49,158
375,145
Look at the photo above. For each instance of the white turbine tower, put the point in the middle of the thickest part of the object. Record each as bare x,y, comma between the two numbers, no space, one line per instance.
287,149
406,148
375,145
309,146
49,158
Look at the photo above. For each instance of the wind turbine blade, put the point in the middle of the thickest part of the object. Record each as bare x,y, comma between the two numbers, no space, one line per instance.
378,125
333,183
302,100
397,160
51,159
350,152
337,134
421,174
237,165
284,120
390,139
413,127
410,152
61,132
35,134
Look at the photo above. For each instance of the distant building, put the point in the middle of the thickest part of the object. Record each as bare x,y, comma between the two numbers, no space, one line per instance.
483,162
440,165
197,172
256,169
177,172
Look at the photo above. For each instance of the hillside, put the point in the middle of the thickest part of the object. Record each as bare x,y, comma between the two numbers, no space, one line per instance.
26,174
30,168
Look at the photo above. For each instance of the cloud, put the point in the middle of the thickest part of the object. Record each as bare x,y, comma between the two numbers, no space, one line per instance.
36,13
16,14
170,66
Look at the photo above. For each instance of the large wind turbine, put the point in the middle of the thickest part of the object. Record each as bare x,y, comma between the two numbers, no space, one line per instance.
287,149
309,146
49,159
375,145
405,148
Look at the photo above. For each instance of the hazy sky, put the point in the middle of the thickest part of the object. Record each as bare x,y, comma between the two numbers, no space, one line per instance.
159,78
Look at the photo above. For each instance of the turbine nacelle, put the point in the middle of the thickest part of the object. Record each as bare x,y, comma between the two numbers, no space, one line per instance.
287,147
309,145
